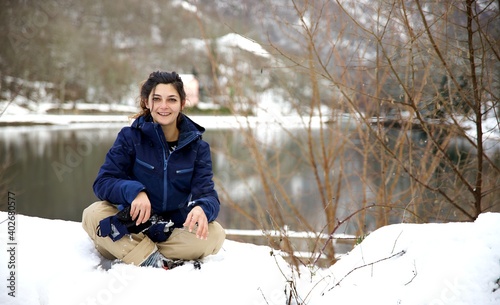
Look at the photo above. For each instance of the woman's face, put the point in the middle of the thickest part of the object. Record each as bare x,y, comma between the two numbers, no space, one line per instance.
165,104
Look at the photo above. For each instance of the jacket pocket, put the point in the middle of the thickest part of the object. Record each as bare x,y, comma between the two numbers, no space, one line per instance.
184,171
147,165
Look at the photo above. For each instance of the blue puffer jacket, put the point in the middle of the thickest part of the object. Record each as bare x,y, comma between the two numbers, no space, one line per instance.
139,160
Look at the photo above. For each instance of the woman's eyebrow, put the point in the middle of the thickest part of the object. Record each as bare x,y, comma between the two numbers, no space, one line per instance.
159,95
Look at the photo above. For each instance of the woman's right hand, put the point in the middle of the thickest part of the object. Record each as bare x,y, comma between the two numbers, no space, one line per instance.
140,209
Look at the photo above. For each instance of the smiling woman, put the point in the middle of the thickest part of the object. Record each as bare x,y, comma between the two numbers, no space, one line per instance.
163,97
155,181
164,104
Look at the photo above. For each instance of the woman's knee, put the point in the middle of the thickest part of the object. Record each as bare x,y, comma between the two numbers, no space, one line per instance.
218,234
94,213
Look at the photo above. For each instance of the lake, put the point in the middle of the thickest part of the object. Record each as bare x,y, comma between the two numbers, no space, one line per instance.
50,169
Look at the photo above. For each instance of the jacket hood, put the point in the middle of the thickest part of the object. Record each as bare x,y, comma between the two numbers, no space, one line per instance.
185,124
188,129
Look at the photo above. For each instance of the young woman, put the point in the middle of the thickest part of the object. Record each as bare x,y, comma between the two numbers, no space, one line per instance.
158,198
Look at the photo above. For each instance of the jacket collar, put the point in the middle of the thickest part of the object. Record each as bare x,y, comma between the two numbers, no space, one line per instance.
188,129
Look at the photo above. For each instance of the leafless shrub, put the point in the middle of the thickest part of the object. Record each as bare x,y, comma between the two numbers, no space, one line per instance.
416,79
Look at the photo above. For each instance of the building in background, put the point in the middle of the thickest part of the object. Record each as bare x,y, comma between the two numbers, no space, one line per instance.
192,88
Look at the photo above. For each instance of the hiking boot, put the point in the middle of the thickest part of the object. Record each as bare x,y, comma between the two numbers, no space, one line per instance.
155,260
171,263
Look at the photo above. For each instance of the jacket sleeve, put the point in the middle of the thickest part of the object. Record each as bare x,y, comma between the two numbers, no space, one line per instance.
113,182
202,188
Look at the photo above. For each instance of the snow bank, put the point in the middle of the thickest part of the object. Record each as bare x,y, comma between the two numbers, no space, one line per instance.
409,264
56,263
456,263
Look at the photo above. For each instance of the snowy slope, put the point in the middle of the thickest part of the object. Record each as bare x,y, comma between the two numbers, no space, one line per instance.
456,263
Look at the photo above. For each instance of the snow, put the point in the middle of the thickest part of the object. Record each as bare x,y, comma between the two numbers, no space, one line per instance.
227,42
57,119
490,127
269,114
185,5
454,263
244,43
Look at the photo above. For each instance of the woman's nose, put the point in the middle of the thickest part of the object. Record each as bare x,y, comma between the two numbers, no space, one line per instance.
164,103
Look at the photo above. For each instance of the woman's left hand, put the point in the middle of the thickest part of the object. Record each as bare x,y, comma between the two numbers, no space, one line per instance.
197,216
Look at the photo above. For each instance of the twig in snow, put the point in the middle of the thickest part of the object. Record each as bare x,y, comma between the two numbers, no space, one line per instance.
414,273
341,222
263,295
394,246
366,265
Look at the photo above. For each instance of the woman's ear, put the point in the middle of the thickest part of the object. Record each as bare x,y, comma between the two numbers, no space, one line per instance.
145,102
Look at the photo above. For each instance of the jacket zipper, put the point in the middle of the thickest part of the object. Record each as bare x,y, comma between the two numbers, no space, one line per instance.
182,171
144,164
165,162
164,169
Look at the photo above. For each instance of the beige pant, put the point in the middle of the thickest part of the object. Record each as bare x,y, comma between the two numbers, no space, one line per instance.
135,248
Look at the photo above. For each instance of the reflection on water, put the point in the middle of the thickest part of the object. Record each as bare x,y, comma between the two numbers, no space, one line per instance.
51,169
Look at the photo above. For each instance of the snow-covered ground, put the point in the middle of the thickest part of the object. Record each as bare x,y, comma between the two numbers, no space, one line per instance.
15,115
490,127
54,262
273,111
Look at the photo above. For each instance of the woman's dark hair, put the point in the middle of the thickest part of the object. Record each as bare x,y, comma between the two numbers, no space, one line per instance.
150,84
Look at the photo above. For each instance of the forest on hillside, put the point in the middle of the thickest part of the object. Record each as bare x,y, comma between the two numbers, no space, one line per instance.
93,51
98,51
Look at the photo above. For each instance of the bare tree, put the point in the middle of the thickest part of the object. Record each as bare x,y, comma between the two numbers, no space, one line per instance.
418,78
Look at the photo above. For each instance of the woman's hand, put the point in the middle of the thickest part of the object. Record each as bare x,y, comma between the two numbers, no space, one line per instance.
197,216
140,209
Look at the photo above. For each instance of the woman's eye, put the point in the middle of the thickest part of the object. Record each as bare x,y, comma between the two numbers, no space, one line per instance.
155,99
172,100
